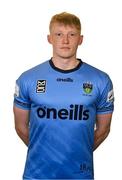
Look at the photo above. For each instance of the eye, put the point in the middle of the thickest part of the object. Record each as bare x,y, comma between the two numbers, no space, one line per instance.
72,34
58,34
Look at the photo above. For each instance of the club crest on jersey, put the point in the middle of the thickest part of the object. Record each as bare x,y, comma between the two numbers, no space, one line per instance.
87,87
41,86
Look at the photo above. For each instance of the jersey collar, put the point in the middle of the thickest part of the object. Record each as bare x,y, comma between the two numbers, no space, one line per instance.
65,71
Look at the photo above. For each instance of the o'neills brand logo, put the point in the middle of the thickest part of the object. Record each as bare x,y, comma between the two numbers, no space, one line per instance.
74,112
64,80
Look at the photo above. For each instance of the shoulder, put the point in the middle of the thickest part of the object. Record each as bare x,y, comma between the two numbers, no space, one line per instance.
34,71
95,73
97,77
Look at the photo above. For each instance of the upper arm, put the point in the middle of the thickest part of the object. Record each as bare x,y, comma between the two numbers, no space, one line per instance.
21,117
22,102
103,122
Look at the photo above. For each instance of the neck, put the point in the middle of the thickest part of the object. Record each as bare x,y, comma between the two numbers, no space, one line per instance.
65,64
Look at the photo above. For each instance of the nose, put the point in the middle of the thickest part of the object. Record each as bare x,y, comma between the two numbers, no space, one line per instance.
65,39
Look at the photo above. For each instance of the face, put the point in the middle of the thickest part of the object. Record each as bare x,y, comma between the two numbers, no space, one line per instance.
65,40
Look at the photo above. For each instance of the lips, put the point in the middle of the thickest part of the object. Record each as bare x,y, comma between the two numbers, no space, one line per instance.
65,48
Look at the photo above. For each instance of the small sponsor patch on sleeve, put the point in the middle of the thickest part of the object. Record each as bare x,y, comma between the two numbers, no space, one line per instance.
110,97
16,91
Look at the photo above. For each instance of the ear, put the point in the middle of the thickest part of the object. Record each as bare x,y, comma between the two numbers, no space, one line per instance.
49,38
81,40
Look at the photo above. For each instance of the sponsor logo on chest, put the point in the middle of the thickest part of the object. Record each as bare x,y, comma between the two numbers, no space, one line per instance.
41,86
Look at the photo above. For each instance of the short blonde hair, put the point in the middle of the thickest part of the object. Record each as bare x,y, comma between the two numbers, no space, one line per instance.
66,19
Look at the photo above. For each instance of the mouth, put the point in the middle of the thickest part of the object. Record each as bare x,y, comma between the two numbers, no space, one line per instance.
65,48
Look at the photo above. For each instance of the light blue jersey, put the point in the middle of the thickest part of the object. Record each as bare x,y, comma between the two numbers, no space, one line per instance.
63,106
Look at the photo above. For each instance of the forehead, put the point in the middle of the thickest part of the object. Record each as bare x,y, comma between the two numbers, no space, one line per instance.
63,27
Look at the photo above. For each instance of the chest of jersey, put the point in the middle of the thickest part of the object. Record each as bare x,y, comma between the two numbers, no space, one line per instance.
63,97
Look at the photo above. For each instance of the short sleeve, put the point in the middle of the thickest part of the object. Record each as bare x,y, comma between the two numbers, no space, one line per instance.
21,95
105,102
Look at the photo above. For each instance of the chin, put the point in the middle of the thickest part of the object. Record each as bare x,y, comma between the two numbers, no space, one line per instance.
67,56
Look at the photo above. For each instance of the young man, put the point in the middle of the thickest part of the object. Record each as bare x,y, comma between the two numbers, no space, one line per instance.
63,108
